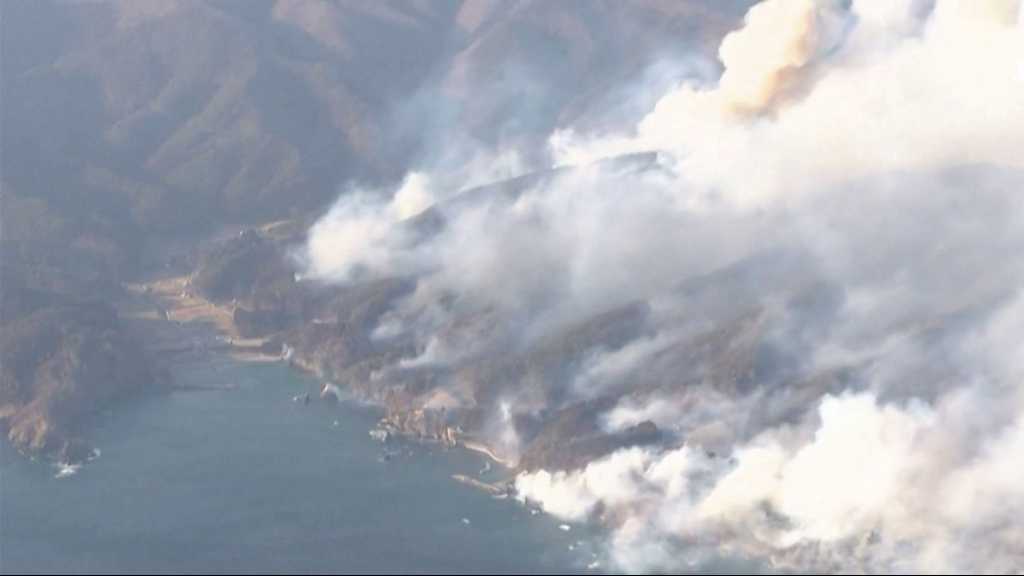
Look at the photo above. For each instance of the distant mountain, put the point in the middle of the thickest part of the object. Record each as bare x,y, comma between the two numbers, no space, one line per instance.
252,109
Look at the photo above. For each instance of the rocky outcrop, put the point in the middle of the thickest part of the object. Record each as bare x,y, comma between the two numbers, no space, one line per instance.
60,365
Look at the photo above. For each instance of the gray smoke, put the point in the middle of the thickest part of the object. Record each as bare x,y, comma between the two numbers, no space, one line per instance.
866,155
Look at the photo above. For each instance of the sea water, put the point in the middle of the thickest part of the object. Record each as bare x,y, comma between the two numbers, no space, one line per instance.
243,479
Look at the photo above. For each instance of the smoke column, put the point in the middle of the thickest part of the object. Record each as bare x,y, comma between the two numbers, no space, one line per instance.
880,143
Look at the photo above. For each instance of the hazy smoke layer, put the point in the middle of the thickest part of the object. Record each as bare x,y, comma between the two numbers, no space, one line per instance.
878,145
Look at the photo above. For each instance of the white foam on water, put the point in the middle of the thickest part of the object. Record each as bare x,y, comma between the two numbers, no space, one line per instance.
65,470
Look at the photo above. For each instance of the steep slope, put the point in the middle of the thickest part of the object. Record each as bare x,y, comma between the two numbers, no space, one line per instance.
131,131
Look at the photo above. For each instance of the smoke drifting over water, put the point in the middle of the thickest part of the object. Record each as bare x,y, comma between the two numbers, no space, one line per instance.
855,184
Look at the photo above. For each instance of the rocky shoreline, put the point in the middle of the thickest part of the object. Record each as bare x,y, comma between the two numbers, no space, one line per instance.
64,363
61,365
184,325
241,297
239,294
414,425
248,287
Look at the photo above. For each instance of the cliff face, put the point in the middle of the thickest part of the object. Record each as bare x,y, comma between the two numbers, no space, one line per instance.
64,354
60,365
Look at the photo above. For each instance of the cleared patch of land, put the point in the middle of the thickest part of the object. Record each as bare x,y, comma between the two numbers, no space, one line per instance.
178,322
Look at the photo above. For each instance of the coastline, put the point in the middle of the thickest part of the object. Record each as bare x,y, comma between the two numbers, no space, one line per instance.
177,323
190,458
481,448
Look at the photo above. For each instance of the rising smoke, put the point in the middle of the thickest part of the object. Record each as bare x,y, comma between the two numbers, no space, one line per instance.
878,145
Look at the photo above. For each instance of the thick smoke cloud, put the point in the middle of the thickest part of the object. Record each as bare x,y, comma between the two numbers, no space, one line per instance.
877,145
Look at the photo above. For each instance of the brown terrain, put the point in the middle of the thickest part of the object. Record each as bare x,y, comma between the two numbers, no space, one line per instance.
136,133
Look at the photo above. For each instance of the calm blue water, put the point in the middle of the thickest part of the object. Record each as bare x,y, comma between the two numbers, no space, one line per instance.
245,480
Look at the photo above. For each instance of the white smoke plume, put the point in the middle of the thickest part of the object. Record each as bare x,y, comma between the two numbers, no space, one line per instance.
767,57
880,139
